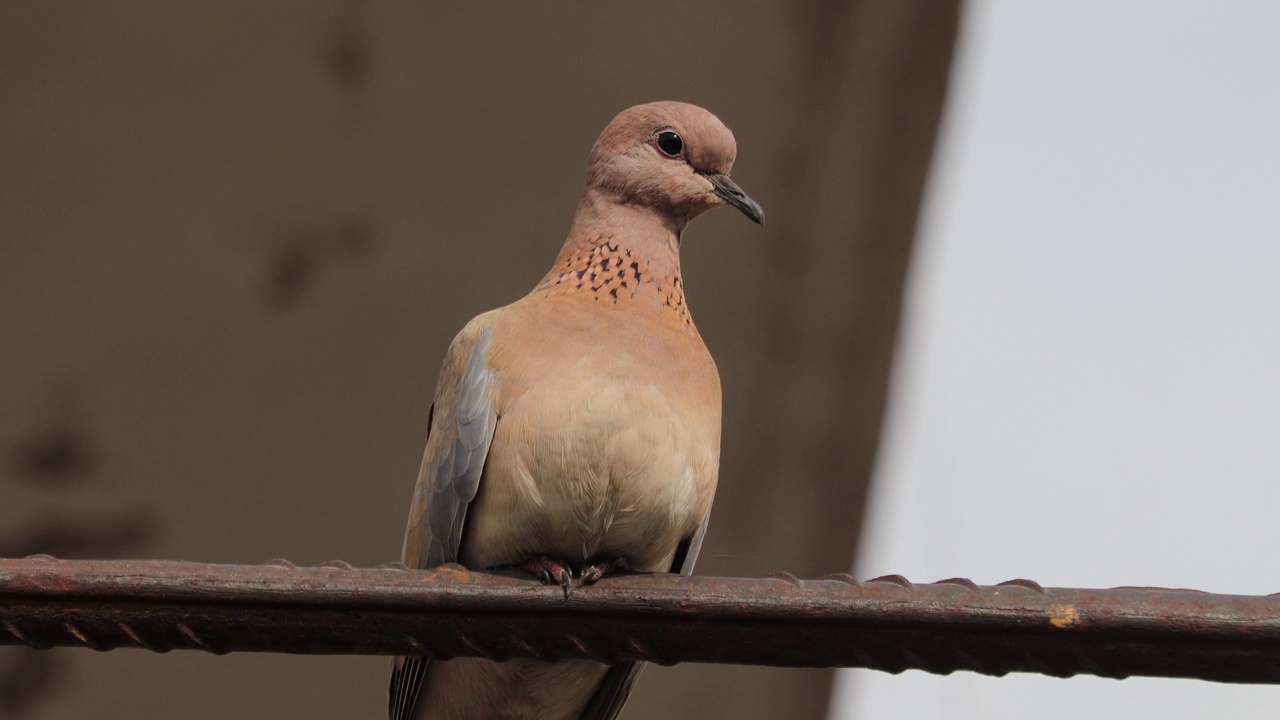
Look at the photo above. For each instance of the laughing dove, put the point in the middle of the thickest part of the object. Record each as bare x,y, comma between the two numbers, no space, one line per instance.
577,430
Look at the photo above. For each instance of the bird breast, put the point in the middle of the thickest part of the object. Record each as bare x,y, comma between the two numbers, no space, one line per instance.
612,455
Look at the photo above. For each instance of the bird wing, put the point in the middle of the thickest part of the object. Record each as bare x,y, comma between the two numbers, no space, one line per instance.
616,686
460,430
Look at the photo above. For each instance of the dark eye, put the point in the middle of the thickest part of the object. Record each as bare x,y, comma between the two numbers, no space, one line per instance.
670,143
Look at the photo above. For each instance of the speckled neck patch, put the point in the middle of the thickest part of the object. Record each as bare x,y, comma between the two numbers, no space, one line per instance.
614,274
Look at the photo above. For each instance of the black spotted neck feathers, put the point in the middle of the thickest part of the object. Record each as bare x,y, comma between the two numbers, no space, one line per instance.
612,274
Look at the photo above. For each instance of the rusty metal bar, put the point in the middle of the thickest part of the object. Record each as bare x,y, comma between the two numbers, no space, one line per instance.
884,624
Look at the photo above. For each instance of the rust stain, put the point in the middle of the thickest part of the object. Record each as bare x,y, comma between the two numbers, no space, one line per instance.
1063,616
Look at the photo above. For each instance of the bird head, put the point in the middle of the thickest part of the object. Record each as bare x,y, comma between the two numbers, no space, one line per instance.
671,157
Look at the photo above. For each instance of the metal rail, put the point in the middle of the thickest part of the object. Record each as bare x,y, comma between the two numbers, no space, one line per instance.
884,624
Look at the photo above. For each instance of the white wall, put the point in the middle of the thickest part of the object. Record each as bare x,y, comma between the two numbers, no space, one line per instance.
1089,390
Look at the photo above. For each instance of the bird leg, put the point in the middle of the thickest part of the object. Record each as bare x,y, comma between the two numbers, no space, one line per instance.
593,572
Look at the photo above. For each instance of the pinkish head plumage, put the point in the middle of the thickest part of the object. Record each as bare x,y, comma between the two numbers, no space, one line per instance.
670,156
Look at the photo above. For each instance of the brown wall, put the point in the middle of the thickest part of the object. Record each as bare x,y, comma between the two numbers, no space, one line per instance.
236,238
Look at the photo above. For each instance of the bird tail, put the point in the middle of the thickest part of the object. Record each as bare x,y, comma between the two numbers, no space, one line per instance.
406,681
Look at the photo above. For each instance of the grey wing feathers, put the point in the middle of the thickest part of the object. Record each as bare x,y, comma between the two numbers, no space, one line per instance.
616,686
463,421
455,478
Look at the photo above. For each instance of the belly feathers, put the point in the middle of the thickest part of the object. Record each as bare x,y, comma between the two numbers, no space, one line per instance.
624,472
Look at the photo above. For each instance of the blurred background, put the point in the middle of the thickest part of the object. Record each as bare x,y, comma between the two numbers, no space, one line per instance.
237,237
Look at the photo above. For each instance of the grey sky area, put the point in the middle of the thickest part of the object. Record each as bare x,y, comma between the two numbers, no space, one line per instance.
1089,393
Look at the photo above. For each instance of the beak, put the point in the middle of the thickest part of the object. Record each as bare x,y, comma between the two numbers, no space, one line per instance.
728,190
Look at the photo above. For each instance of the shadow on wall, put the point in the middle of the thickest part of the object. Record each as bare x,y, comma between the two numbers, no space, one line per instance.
251,230
60,457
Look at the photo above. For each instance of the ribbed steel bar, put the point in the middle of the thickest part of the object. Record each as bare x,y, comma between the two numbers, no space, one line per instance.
884,624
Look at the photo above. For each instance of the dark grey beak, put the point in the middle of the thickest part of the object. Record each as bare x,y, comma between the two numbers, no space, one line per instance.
728,190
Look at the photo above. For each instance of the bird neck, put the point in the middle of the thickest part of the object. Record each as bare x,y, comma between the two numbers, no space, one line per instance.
625,255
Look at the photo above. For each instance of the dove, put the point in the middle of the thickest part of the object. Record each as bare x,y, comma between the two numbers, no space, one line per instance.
576,431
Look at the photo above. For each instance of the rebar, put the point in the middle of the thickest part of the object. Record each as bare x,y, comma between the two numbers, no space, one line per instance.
885,624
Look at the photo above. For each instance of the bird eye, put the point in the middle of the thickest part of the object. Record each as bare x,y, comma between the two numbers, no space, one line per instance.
669,143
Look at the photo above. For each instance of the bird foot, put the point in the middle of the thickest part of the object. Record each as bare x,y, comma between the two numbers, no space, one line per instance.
591,573
552,572
556,572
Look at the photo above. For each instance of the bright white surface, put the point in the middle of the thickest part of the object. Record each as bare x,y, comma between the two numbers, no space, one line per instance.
1089,390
